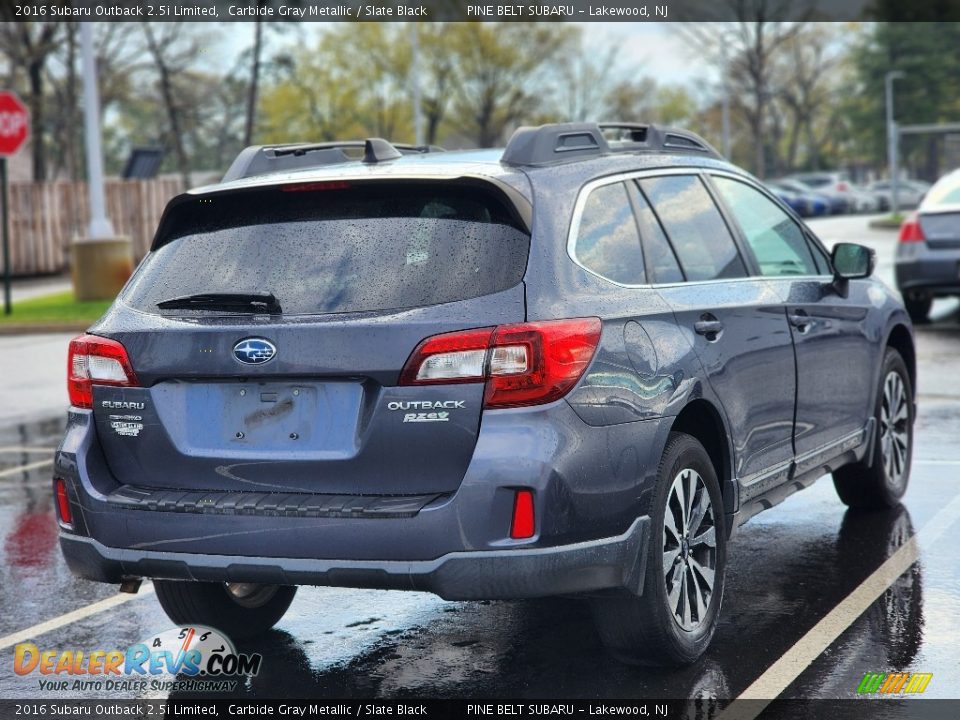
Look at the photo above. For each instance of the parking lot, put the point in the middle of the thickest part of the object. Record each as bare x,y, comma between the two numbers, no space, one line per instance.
788,625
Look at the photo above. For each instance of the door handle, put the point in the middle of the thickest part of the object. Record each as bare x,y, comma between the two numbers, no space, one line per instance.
708,326
799,320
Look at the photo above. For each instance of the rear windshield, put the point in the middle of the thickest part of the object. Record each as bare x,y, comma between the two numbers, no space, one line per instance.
335,248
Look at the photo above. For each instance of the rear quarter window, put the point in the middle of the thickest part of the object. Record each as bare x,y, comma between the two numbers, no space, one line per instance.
334,248
608,243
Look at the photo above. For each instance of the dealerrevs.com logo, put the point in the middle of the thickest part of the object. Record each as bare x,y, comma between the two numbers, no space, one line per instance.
194,658
894,683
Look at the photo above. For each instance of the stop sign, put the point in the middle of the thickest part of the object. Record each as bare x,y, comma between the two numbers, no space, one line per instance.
14,123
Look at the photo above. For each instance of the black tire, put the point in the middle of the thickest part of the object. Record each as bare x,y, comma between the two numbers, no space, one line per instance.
237,613
918,306
881,482
644,630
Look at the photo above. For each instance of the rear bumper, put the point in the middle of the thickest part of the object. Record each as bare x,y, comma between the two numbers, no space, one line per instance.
614,563
936,271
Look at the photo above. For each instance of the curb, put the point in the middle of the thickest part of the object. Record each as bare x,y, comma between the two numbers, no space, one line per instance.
885,224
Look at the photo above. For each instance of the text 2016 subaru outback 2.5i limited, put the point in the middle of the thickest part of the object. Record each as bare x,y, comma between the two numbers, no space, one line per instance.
572,367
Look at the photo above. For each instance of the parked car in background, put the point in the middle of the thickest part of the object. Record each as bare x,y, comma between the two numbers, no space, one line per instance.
864,201
928,255
909,193
802,205
834,185
833,181
837,203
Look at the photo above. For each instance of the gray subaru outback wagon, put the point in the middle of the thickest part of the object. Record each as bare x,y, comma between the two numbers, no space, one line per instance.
571,367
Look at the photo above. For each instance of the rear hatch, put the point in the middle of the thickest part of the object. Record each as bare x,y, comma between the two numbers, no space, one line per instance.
300,393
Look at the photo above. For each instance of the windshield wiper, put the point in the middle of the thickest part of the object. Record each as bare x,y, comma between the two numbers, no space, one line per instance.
255,302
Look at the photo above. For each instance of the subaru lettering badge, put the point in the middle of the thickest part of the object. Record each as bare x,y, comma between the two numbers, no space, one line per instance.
254,351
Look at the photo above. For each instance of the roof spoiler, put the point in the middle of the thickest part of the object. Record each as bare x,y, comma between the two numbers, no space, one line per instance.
263,159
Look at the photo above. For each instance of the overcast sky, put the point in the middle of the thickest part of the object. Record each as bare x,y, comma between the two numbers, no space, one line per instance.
654,49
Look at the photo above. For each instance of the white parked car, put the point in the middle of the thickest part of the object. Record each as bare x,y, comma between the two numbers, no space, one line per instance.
909,193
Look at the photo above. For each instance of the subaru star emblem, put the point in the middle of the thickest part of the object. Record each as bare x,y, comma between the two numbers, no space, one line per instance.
254,351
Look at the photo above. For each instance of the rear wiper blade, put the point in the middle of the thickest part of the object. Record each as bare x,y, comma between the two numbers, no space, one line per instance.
248,302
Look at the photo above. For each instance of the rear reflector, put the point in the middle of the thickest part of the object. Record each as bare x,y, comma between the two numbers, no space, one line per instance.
911,231
94,360
63,502
522,525
524,364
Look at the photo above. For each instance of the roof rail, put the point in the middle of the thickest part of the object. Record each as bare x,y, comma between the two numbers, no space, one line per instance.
566,142
263,159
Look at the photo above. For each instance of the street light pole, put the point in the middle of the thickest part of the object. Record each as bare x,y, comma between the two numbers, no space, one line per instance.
101,262
415,79
893,142
100,226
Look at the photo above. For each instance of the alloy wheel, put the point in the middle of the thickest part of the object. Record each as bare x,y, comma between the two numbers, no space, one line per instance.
894,428
689,549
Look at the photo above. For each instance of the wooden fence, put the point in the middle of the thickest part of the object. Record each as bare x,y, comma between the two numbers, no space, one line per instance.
46,217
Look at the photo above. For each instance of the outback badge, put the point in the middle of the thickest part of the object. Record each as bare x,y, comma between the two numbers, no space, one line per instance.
254,351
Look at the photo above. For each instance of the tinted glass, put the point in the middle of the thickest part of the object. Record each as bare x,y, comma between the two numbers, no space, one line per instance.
662,264
694,226
337,249
776,240
607,239
820,258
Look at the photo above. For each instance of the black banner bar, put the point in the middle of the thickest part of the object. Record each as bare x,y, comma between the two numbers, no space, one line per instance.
864,708
299,11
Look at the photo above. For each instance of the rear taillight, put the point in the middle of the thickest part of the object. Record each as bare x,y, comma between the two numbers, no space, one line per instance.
911,231
94,360
63,502
842,186
524,364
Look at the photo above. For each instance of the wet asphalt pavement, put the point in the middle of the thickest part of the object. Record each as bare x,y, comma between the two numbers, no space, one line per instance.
788,568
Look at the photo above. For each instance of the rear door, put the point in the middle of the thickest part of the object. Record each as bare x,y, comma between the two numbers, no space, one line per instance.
307,400
835,358
736,324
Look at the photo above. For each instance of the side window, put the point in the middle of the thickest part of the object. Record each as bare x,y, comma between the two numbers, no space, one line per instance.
694,226
607,240
662,266
776,240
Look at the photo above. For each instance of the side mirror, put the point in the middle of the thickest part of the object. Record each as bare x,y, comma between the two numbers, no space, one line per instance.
851,262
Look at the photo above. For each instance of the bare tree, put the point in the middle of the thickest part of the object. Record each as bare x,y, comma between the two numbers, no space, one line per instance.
173,50
805,88
583,76
747,48
499,66
437,76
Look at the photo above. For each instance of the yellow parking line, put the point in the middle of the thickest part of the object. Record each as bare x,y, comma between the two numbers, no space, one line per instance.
24,468
798,658
71,617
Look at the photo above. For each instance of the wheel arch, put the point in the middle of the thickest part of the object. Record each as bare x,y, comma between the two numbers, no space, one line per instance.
901,339
701,419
